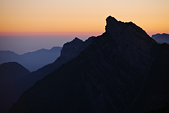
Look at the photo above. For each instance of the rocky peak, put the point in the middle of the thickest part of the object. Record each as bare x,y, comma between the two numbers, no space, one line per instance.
113,26
127,33
76,40
111,19
72,47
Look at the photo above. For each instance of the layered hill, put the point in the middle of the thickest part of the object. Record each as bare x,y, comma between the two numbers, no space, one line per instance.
32,60
70,50
122,71
12,82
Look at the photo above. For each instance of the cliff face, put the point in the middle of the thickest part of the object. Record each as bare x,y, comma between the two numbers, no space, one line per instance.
114,74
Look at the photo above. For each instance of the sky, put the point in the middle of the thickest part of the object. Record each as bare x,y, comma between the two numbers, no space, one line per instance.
62,20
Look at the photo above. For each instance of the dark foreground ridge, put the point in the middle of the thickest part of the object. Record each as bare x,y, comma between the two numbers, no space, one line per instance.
121,71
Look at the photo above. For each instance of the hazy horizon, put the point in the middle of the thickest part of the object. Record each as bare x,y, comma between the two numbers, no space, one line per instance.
23,44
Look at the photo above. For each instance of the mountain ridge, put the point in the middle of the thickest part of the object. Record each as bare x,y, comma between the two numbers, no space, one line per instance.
112,74
70,50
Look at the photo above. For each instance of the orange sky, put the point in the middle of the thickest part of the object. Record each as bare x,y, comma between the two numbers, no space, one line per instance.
80,16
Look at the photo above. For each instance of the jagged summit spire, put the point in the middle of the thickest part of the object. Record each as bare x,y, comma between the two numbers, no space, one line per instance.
110,19
115,27
112,25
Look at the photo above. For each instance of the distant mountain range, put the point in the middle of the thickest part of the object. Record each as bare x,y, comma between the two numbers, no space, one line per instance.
121,71
32,60
161,38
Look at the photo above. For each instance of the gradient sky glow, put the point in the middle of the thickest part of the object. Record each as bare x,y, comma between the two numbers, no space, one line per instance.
79,17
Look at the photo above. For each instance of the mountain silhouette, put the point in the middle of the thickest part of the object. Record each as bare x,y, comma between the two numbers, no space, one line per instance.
69,51
121,71
31,60
12,81
161,38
